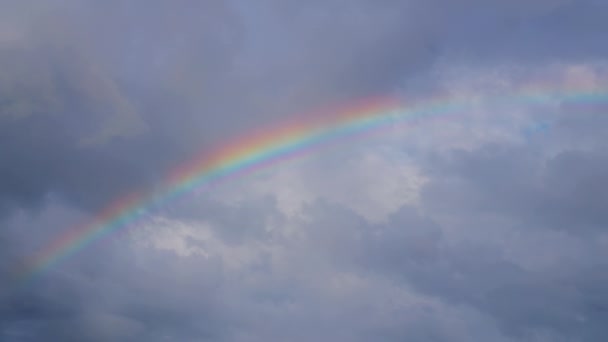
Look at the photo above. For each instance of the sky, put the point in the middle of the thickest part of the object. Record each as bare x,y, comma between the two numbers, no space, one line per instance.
485,221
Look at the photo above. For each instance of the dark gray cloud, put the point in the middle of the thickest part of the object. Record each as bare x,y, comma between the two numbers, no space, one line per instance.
562,300
487,227
105,97
563,192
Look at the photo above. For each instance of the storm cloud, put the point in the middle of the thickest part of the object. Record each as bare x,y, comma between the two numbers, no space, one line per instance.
486,224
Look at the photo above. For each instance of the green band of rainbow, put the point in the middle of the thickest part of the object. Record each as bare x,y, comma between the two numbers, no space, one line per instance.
288,140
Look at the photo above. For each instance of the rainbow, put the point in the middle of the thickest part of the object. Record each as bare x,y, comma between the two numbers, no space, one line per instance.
270,145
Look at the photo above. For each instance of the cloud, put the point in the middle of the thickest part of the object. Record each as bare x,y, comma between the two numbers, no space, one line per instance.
481,224
117,102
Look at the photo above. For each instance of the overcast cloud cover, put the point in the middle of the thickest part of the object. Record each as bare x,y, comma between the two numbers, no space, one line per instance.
485,225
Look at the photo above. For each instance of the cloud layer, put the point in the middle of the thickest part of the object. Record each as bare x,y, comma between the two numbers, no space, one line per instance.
484,224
